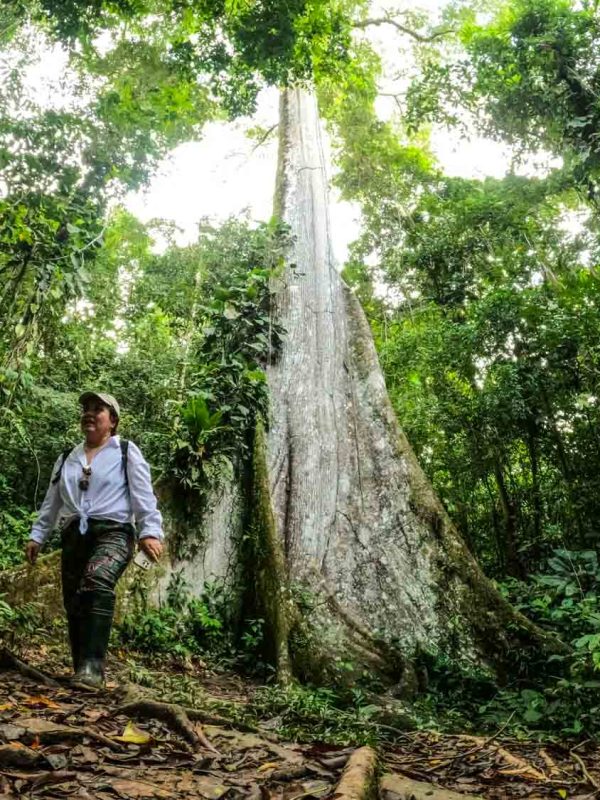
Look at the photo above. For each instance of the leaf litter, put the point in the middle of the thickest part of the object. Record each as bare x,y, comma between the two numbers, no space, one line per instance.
58,742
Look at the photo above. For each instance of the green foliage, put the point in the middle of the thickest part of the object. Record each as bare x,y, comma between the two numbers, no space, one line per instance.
530,76
488,340
58,167
205,626
563,599
184,626
318,714
235,337
482,297
14,531
231,47
186,364
483,303
18,623
483,300
556,700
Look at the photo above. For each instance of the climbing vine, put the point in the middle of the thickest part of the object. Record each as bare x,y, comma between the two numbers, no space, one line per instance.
235,338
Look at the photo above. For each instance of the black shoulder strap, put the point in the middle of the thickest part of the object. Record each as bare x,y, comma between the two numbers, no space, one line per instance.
65,454
124,451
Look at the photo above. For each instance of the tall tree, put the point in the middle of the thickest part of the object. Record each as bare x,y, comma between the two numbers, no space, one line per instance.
359,528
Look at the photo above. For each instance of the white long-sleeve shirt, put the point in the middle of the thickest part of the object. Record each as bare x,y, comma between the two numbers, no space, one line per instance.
107,496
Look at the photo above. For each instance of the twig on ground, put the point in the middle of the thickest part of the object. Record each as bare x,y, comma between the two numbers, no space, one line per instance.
397,731
475,749
8,661
220,722
583,768
58,733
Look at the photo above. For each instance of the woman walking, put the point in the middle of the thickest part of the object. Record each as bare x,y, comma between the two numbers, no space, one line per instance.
97,490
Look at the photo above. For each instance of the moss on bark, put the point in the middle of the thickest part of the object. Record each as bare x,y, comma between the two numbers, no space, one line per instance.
267,564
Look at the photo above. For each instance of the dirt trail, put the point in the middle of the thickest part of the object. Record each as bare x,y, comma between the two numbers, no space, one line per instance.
57,741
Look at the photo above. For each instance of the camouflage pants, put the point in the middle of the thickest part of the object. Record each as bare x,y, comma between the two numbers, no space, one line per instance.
93,563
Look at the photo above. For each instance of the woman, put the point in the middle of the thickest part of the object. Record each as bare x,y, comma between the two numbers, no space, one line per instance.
96,491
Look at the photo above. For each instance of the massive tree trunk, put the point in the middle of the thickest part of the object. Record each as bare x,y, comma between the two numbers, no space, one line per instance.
376,571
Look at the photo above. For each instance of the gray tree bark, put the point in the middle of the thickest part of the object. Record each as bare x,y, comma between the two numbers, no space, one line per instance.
380,571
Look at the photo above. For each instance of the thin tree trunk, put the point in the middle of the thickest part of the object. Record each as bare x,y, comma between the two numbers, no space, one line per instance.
572,517
535,492
498,537
509,515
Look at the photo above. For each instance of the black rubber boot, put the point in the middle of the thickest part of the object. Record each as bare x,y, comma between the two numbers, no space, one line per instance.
74,628
97,608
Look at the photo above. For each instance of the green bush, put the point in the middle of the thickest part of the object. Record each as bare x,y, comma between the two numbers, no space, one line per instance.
191,630
14,532
561,700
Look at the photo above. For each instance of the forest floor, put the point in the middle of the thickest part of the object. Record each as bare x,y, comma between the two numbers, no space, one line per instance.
58,741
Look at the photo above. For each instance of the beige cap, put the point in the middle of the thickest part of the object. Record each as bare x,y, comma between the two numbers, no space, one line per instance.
105,398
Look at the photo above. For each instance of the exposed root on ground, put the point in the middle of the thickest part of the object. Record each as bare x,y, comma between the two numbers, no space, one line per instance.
8,660
173,715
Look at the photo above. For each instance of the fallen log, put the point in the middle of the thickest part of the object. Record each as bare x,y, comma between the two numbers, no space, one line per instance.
359,778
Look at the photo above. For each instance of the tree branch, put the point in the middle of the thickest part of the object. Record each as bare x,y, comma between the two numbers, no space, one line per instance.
264,137
402,28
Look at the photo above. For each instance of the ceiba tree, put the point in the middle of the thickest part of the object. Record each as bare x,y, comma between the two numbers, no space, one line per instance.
352,525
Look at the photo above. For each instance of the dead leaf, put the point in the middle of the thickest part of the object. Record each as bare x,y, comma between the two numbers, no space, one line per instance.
17,755
268,765
35,725
40,701
84,755
133,789
315,788
53,778
133,735
10,732
94,714
210,788
186,783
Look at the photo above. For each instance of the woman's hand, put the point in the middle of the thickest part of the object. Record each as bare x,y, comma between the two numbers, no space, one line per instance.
152,547
31,551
